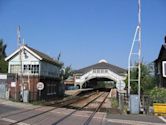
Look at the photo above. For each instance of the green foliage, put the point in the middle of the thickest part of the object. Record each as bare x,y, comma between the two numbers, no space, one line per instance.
158,95
3,63
68,72
147,80
114,102
2,49
3,66
65,71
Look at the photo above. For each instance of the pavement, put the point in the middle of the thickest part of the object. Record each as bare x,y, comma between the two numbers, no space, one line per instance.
28,114
17,104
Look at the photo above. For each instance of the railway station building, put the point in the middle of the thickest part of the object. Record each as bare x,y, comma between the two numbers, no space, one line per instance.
94,76
27,67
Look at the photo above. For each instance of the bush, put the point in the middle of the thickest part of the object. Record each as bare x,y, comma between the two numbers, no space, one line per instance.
158,95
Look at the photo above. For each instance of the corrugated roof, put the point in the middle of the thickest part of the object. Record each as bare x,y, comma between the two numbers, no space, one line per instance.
102,65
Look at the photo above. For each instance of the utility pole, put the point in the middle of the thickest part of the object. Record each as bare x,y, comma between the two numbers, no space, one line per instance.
19,44
140,48
137,43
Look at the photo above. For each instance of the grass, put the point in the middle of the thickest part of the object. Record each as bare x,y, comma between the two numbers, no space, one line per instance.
114,103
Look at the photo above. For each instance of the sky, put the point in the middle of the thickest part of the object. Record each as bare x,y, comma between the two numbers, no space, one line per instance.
84,31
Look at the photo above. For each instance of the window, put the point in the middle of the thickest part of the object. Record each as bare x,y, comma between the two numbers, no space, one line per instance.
94,70
15,68
51,89
77,77
100,71
33,69
106,70
164,68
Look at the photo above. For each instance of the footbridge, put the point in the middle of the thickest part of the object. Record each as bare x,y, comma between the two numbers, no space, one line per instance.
101,70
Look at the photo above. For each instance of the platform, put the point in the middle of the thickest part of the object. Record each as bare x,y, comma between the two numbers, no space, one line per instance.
77,91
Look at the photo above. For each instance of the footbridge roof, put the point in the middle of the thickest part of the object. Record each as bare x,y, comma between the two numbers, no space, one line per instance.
102,65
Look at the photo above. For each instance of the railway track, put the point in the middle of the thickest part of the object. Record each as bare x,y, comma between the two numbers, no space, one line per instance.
96,110
58,105
103,95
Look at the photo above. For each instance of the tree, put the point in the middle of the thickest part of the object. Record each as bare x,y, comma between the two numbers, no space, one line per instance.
3,63
65,71
147,80
2,49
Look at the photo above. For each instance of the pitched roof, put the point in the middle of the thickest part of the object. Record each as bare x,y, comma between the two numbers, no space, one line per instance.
163,47
44,56
102,65
36,53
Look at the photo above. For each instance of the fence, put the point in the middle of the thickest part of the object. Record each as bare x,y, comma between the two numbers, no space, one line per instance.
18,96
31,96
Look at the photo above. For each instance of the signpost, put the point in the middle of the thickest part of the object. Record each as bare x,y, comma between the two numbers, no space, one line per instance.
120,86
40,86
13,84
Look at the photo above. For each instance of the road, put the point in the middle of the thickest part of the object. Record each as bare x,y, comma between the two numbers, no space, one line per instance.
133,119
28,115
5,108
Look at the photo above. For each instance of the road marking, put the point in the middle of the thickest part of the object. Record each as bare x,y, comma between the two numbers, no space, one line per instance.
14,121
64,113
162,118
132,122
22,123
9,120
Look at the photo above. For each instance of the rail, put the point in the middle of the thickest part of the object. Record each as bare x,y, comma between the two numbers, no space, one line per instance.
97,109
63,118
61,104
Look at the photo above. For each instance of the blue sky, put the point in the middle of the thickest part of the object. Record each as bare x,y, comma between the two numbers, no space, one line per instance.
84,31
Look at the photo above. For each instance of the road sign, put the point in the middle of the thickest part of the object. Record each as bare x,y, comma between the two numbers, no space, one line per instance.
13,84
120,85
40,86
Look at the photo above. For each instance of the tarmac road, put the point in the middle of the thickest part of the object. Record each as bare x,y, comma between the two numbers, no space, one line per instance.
59,116
5,108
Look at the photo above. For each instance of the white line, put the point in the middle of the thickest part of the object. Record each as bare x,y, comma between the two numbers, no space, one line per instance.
162,118
9,120
14,121
132,122
22,123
